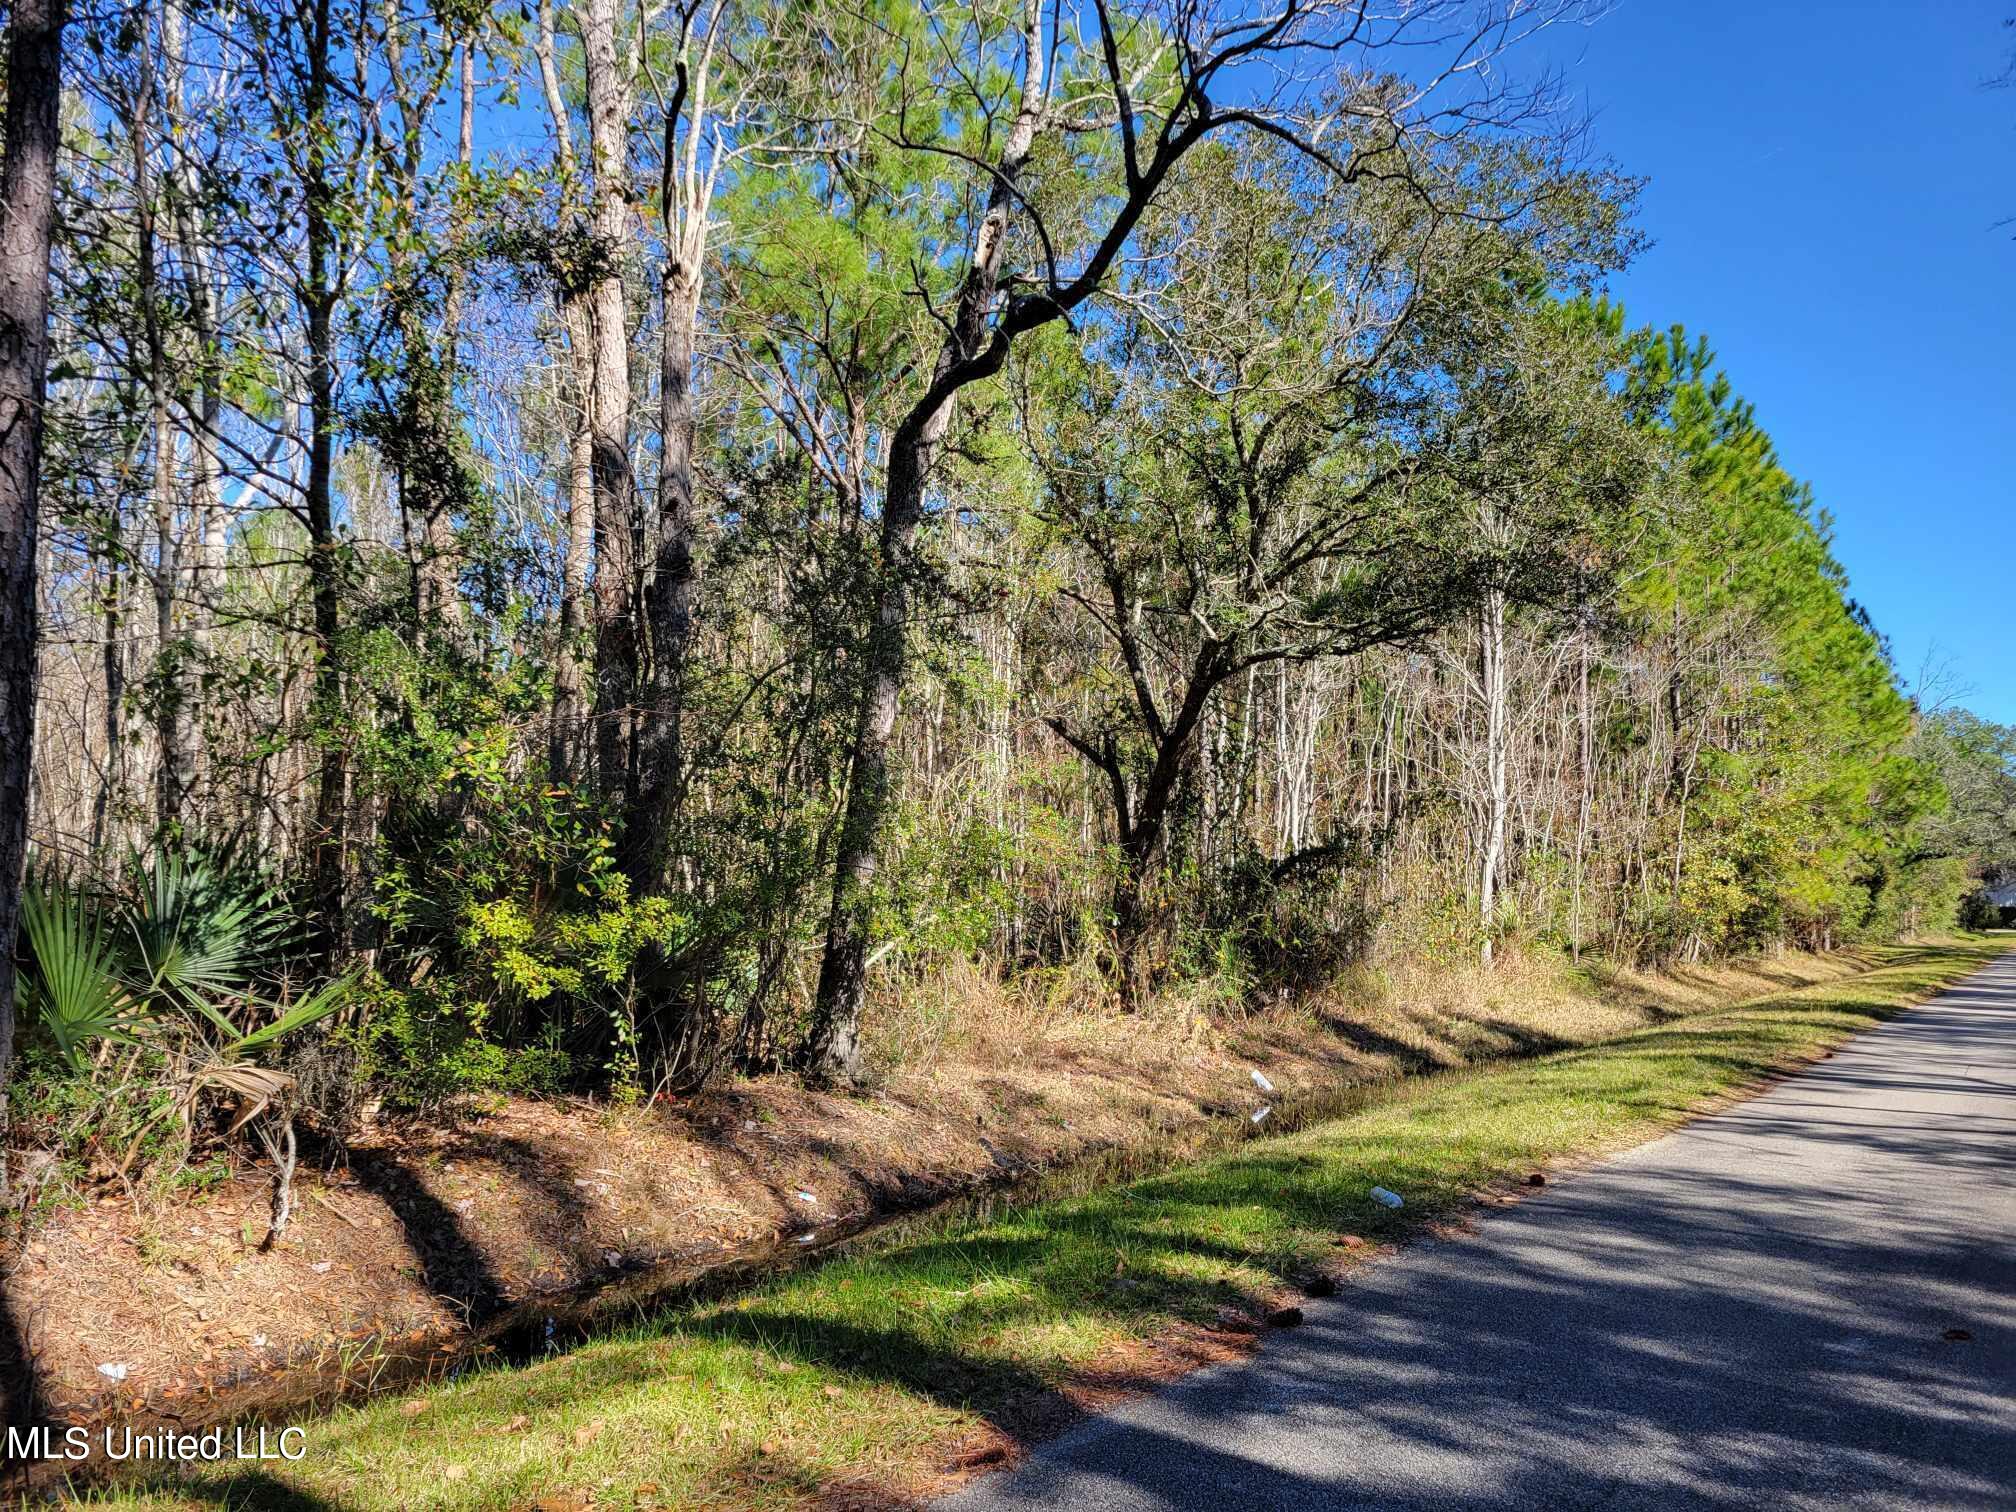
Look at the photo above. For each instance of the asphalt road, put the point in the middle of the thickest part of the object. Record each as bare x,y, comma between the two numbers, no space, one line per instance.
1749,1313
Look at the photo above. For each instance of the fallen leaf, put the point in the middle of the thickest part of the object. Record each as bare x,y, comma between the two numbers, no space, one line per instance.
415,1407
587,1434
455,1472
518,1424
833,1391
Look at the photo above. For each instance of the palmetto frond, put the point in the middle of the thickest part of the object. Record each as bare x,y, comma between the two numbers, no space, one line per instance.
74,983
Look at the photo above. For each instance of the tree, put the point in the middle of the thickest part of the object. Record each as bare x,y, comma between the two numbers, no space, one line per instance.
1531,437
27,213
1126,106
610,102
699,144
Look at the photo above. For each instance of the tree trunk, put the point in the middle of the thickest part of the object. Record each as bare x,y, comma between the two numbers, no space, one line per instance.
569,703
616,647
173,776
1491,624
207,525
27,201
109,560
175,771
324,568
669,606
832,1049
1586,787
567,748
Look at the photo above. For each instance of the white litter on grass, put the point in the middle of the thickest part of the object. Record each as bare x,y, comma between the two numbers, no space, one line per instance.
1261,1115
808,1197
113,1371
1391,1199
807,1238
1261,1082
258,1341
320,1267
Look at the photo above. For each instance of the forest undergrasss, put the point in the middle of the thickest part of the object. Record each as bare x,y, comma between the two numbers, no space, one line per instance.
598,548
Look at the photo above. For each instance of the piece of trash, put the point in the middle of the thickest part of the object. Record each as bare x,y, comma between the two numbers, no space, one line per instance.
1391,1199
320,1267
112,1371
1284,1317
808,1197
1261,1082
258,1341
611,1259
1261,1115
807,1238
465,1205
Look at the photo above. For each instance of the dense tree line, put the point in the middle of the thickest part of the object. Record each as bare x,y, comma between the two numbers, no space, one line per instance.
638,530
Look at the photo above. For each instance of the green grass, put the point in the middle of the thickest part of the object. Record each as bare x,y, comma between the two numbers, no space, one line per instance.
867,1368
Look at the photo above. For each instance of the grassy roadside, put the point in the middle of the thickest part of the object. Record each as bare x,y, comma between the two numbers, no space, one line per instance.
879,1368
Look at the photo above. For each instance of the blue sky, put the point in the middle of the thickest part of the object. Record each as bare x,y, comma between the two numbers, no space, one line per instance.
1825,181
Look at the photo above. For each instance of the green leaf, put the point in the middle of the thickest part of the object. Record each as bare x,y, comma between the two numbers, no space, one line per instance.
73,980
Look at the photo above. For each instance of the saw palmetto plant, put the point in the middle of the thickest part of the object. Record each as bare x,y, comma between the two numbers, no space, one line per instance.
182,961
